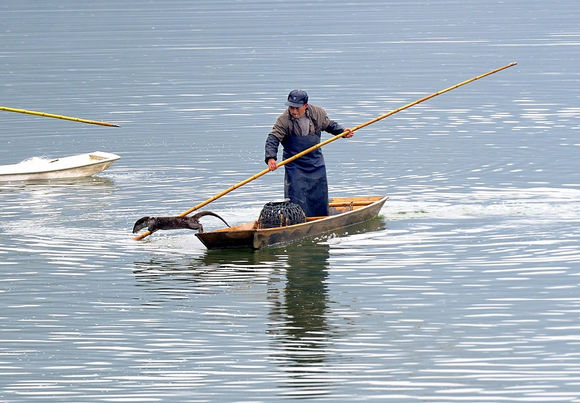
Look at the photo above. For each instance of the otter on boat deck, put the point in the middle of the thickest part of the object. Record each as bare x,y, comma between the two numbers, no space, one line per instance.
344,211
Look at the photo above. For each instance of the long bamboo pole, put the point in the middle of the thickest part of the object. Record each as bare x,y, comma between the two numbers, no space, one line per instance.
51,115
334,138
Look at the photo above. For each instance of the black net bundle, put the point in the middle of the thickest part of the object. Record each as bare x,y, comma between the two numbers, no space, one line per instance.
281,214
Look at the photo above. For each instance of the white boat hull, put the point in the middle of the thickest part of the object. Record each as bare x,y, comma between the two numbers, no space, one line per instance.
74,166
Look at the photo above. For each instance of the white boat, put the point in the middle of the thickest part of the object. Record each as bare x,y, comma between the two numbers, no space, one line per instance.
74,166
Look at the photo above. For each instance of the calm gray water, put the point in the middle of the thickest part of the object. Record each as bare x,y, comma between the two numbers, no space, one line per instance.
465,289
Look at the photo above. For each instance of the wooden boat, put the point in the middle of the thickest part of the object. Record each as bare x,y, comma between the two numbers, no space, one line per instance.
344,211
58,168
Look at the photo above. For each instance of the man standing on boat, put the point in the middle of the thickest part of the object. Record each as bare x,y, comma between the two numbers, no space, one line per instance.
299,128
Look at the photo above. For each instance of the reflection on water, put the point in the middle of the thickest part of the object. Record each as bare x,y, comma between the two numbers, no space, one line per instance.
299,310
296,295
289,281
54,184
298,320
209,273
238,265
229,266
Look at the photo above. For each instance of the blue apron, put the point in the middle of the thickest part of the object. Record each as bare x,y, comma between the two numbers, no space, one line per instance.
305,178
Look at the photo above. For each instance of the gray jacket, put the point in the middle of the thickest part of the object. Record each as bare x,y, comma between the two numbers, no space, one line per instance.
286,125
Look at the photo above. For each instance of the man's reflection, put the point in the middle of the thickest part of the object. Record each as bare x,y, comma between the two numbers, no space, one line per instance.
300,307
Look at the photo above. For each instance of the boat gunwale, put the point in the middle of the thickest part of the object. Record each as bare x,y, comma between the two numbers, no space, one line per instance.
323,219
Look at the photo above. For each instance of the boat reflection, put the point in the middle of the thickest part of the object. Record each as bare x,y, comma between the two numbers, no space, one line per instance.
267,265
87,181
296,280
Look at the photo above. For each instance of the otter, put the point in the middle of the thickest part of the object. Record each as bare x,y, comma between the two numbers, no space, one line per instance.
165,223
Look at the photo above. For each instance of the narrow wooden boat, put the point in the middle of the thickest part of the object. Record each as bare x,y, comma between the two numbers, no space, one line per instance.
344,211
57,168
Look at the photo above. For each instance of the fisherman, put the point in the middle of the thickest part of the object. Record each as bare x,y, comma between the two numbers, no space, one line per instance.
298,128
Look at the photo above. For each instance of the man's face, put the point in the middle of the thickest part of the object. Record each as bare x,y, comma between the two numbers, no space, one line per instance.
298,112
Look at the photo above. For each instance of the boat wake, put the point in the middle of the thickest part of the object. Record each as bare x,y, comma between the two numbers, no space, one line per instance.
557,204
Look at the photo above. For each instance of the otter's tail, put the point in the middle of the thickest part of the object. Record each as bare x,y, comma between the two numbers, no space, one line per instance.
204,213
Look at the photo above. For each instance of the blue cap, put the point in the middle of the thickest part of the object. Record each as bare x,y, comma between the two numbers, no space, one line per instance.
297,98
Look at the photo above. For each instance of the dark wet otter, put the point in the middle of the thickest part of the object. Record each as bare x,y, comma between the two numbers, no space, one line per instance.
156,223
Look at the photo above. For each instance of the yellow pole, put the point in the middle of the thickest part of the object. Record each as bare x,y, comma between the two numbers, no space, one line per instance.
323,143
50,115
